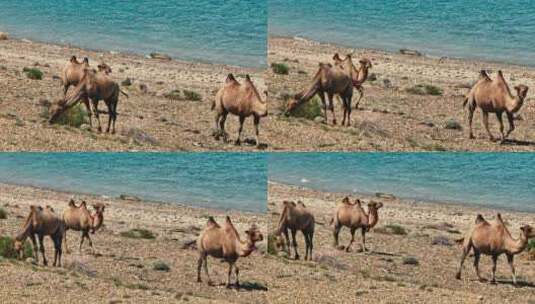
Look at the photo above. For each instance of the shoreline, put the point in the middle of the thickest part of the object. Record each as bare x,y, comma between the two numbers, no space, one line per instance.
396,52
409,200
131,53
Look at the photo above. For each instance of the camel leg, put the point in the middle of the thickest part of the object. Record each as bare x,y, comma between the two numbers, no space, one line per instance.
199,266
310,244
65,242
216,132
510,259
57,249
305,236
500,120
42,248
81,242
345,111
256,123
348,248
110,116
222,121
114,107
230,265
237,271
348,107
336,232
477,256
238,140
363,233
331,107
466,250
361,94
90,242
65,89
322,97
486,124
510,118
95,109
471,110
85,101
294,244
205,263
494,262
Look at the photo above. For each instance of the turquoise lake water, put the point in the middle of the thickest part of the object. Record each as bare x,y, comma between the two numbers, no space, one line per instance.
503,180
482,29
217,180
230,32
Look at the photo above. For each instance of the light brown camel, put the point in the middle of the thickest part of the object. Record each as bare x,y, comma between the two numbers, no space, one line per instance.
359,75
94,86
354,217
41,222
241,100
494,96
78,218
328,80
296,217
494,239
223,242
72,73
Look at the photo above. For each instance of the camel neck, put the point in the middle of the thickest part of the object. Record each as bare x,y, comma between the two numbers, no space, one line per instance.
518,245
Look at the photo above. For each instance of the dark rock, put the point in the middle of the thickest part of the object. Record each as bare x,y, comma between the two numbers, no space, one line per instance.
410,52
452,124
129,198
126,82
160,56
410,261
441,240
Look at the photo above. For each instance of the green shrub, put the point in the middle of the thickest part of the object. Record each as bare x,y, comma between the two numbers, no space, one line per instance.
3,214
33,73
161,266
280,68
74,117
173,95
309,110
7,248
192,95
425,89
531,245
138,234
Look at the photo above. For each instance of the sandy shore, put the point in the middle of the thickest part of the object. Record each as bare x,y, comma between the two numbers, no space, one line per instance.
382,276
122,270
390,118
147,120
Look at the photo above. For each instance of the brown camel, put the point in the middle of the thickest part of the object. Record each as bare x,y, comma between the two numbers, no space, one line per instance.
41,222
359,75
78,218
329,80
223,242
494,239
241,100
72,73
354,217
494,96
296,217
95,86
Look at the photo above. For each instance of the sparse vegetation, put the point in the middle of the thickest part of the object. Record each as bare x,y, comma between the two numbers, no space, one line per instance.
183,95
392,229
33,73
3,214
280,68
531,245
74,117
7,249
192,95
161,266
308,110
425,89
138,234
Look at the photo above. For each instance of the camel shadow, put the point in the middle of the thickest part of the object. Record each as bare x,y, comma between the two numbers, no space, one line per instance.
519,284
515,142
248,286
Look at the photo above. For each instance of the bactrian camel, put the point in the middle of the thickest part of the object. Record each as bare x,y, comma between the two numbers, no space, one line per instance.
72,73
242,100
359,75
330,80
224,242
494,239
494,96
94,86
78,218
41,222
297,217
354,217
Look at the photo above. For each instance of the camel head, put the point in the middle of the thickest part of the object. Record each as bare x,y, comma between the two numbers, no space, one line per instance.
62,105
365,63
103,67
346,200
375,205
18,246
98,217
521,91
527,231
253,235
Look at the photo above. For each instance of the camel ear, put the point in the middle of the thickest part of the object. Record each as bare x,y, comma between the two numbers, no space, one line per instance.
345,200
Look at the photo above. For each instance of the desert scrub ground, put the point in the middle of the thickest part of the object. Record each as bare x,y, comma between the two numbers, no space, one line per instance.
413,256
169,107
411,103
143,255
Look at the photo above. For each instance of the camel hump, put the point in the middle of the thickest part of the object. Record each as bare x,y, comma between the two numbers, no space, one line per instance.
230,78
480,219
74,59
247,77
483,74
211,221
86,60
71,203
499,217
336,57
